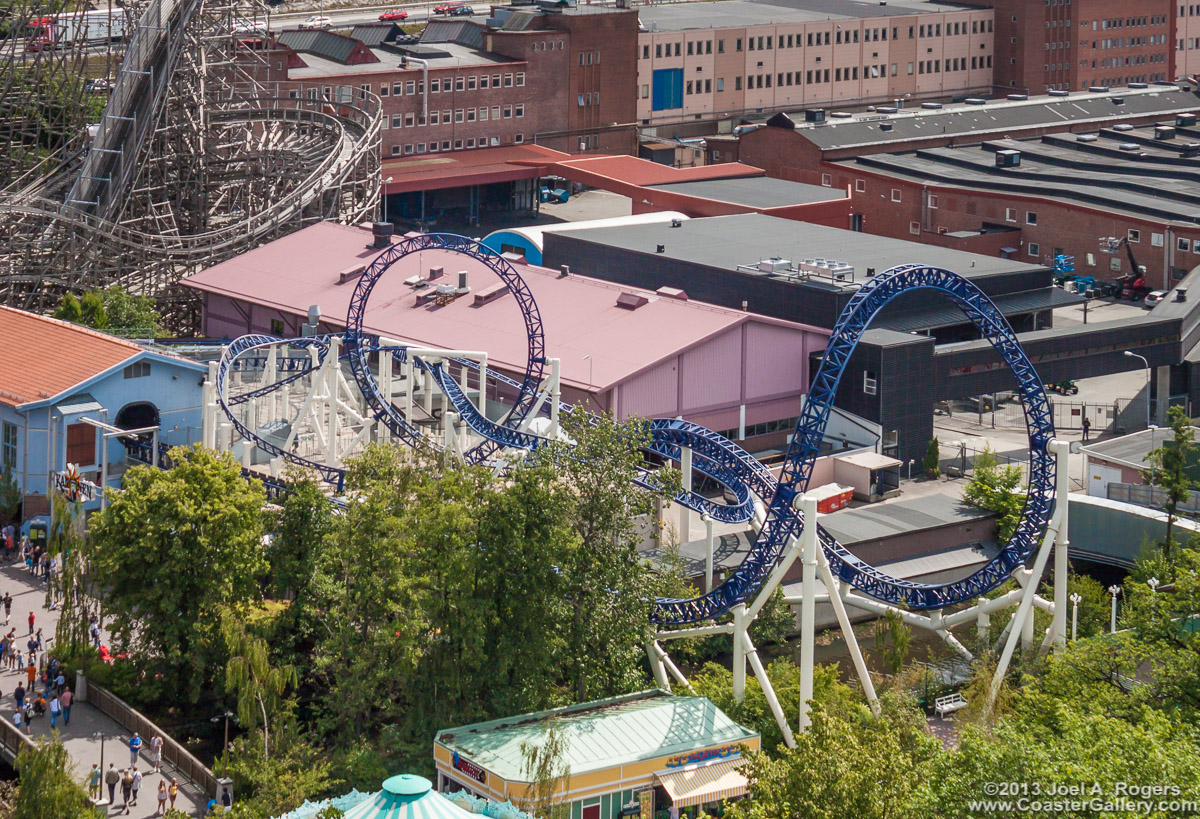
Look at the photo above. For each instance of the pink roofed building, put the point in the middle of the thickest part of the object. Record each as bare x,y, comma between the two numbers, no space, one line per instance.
658,354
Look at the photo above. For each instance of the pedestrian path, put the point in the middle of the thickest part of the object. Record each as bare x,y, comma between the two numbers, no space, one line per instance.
90,736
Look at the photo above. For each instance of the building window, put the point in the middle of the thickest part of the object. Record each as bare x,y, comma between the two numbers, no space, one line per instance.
397,120
81,444
409,120
483,114
1114,264
895,194
458,115
519,138
138,369
471,83
277,327
408,149
1030,217
384,89
1181,244
495,112
1135,236
519,110
1010,215
870,383
826,180
914,228
8,446
933,202
521,77
410,87
1033,249
395,150
470,142
470,115
1091,259
435,117
435,86
508,80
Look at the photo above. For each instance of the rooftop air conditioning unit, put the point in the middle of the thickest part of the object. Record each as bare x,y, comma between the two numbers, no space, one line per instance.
1018,97
1185,120
775,265
975,101
1098,89
1122,126
1008,159
814,115
1164,132
1086,138
1058,92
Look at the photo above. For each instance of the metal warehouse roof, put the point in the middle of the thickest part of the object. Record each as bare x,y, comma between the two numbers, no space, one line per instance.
946,314
745,239
335,47
463,32
762,192
373,35
600,735
867,523
738,13
1131,449
1001,115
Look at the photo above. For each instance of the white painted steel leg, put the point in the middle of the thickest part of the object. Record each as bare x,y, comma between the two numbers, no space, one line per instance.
983,622
708,552
672,668
1025,609
739,652
555,395
1062,568
808,607
833,587
768,690
653,653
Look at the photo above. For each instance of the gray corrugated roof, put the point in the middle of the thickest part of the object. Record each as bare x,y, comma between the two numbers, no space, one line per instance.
934,316
1000,116
728,241
1131,449
756,192
519,21
373,35
463,32
866,523
335,47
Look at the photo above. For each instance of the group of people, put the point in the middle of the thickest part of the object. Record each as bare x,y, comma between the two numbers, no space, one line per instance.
129,779
44,694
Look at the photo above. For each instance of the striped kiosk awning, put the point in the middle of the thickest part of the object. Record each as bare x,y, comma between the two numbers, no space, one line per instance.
701,784
408,797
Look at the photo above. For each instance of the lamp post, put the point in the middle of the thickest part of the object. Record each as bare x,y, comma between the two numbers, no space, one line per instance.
100,735
228,715
1114,590
1153,583
383,195
1147,363
1075,599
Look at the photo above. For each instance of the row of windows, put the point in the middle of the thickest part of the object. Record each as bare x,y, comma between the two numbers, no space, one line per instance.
447,145
8,446
440,86
1127,42
765,428
1117,62
768,42
589,99
591,57
460,115
554,46
1119,81
1129,22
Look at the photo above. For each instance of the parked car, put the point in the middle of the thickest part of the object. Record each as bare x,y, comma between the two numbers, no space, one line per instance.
1154,297
462,11
394,15
97,85
447,8
249,27
317,22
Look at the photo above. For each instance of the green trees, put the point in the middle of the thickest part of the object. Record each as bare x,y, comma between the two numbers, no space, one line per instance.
996,489
115,308
1169,465
930,463
47,789
173,550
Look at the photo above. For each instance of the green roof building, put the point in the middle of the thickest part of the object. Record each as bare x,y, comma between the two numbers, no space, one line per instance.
619,752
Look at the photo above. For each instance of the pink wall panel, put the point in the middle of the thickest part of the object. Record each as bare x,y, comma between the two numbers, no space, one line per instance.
652,393
777,359
712,371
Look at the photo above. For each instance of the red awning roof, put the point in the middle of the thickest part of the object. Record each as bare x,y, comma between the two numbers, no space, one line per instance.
481,166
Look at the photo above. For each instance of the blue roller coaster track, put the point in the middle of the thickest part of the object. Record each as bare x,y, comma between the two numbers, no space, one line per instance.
713,455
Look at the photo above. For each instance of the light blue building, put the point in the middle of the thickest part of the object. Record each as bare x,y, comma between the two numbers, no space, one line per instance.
61,384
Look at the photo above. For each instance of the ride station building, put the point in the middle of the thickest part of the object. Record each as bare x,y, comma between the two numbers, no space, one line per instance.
633,755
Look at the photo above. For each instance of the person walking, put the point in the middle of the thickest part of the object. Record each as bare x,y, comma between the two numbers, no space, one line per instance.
7,607
137,784
156,746
173,791
19,695
93,782
126,788
32,620
162,798
55,710
17,718
31,672
1087,428
135,748
65,700
112,779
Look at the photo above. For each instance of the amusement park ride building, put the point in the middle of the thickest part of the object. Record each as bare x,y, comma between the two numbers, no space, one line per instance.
54,374
627,350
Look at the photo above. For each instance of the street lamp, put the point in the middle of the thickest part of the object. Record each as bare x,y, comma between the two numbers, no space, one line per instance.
228,715
386,182
1114,590
100,735
1153,583
1147,363
1075,599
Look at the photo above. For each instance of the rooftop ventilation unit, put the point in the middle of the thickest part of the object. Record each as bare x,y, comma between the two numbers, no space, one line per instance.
886,109
672,293
1058,92
1129,146
1008,159
814,115
1181,294
1098,89
1086,138
1122,126
1018,97
631,301
382,233
931,106
775,265
1139,85
1185,120
841,115
1118,100
491,293
1164,132
885,126
975,101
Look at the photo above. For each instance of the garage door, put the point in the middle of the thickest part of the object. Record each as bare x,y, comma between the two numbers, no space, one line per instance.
1099,477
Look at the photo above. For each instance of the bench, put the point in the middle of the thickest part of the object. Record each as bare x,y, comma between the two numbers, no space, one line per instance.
949,704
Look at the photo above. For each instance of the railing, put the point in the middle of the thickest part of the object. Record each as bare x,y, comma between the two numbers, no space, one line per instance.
1152,497
133,721
13,740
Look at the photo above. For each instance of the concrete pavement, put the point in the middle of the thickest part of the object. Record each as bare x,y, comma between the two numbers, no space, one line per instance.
90,733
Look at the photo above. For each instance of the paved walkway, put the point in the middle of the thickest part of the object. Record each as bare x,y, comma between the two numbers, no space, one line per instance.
90,733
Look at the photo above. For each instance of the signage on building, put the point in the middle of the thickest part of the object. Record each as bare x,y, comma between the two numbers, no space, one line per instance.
468,767
71,485
723,752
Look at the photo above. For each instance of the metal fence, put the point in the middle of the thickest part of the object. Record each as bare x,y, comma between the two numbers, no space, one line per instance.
1005,411
13,740
174,754
958,460
1152,497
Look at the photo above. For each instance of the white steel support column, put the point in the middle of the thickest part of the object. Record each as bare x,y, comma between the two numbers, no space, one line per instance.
768,690
685,514
833,587
208,423
708,552
654,653
1062,567
555,395
331,401
251,424
739,652
983,622
482,403
385,385
1060,449
808,606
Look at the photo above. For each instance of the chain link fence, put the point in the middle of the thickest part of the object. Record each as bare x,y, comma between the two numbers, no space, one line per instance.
1005,411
